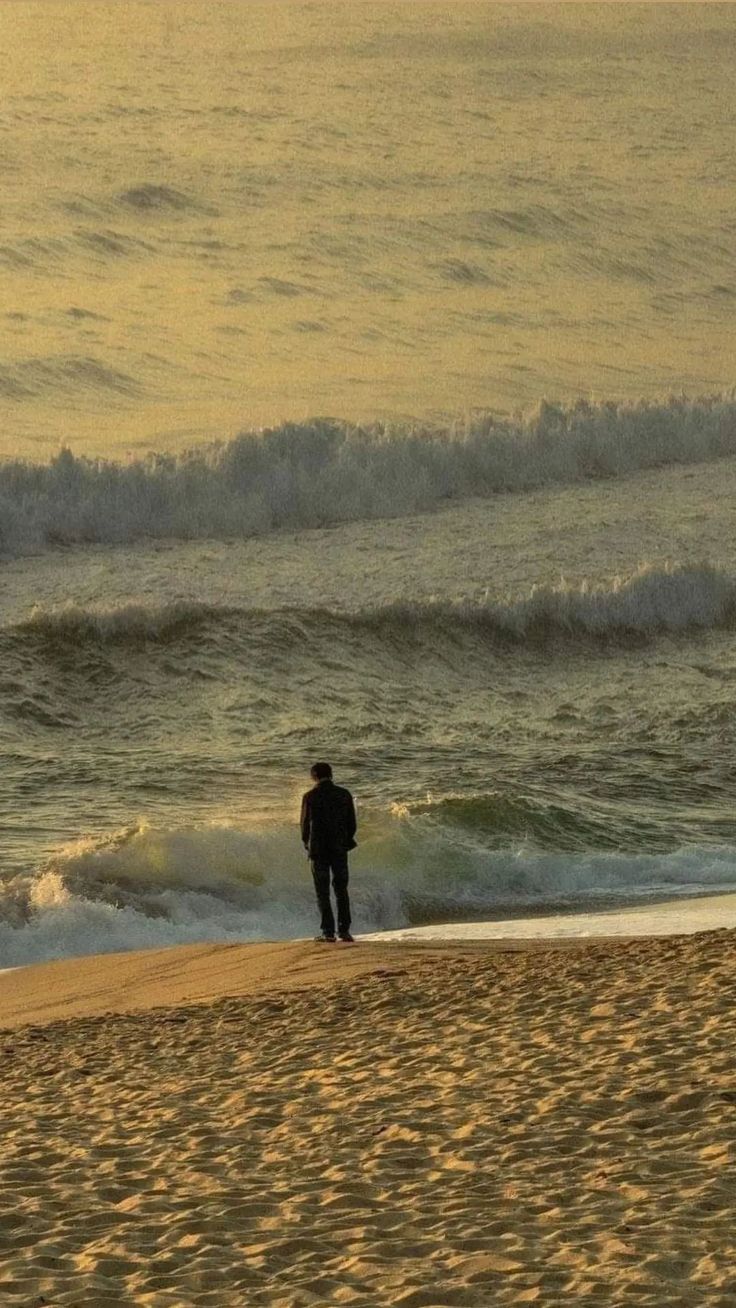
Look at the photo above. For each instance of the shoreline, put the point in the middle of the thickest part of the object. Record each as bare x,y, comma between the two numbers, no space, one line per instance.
683,916
111,984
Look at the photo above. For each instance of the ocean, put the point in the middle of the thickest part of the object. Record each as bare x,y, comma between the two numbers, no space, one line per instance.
365,382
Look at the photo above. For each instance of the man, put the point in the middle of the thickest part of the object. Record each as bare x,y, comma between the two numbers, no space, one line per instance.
328,830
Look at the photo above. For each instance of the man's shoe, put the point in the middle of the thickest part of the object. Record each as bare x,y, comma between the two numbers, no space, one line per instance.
346,938
325,940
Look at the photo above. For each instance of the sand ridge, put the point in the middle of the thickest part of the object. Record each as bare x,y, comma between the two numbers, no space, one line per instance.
107,984
458,1128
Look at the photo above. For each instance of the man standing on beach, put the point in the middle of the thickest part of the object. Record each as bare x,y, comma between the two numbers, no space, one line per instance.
328,831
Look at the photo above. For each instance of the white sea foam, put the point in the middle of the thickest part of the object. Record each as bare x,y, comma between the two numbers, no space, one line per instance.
145,887
322,472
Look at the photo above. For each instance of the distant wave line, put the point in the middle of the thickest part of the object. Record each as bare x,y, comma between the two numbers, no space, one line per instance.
324,472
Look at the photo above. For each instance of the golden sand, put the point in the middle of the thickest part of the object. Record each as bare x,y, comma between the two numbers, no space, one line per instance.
311,1125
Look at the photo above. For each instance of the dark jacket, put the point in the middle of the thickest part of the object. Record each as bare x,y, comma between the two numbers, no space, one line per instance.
328,820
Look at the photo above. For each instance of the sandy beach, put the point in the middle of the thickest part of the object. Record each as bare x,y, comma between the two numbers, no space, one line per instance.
423,1125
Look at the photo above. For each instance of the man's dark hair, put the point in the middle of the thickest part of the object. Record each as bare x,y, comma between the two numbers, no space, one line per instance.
321,771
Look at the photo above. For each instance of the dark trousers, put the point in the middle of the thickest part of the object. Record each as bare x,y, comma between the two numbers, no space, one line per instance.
337,865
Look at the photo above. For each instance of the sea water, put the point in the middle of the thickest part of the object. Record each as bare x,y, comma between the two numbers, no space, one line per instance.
497,590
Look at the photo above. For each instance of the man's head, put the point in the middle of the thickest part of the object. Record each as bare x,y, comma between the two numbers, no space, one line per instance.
320,772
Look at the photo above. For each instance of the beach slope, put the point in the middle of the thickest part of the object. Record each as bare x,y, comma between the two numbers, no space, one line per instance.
298,1125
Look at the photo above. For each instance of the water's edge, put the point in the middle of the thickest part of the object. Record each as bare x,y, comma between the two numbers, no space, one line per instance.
678,917
671,918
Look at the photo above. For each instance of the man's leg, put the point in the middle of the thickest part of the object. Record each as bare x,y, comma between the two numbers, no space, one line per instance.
340,886
321,874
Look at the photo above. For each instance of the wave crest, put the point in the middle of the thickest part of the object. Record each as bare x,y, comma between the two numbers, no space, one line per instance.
649,603
324,472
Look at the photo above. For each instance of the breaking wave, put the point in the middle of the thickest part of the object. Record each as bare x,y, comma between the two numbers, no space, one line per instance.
146,888
324,472
649,603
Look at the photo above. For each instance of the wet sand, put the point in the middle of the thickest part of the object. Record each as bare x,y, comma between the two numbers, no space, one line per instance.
419,1125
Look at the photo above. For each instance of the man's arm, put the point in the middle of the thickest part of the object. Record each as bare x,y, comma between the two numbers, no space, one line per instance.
352,821
305,821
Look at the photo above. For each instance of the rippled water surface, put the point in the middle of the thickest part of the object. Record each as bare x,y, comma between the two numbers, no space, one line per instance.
218,215
516,739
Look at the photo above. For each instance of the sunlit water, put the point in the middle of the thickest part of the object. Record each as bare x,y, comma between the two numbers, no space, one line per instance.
222,214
